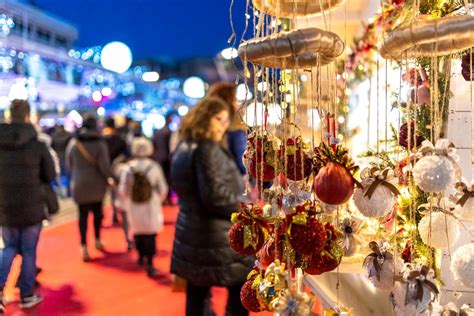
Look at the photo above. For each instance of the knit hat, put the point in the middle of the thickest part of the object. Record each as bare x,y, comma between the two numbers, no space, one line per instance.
141,147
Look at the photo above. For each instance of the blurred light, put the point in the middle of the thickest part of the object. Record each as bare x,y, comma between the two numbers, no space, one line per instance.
100,111
75,117
150,76
304,77
229,53
152,122
262,86
96,96
243,92
254,115
116,56
341,119
106,91
18,91
313,118
4,102
194,87
183,110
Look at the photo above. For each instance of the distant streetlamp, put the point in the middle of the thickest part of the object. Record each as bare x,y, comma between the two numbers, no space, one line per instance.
229,53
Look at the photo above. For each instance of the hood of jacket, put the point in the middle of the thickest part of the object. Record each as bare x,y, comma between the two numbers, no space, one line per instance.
16,135
85,134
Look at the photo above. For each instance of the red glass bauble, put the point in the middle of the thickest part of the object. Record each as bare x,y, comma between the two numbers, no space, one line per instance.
333,184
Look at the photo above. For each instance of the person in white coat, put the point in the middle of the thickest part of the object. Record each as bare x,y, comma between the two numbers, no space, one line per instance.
146,216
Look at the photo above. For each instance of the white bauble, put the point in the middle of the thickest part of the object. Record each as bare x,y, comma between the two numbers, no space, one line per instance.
421,308
380,204
466,211
440,224
433,173
462,265
390,268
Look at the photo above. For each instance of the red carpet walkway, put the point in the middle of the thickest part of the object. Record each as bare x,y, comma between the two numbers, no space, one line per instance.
110,285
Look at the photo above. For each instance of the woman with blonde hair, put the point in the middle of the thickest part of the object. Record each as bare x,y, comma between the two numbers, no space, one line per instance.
207,181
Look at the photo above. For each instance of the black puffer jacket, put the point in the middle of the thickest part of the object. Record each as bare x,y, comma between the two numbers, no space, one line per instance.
208,183
25,164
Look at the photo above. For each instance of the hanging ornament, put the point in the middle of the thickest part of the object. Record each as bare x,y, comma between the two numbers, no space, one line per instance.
467,68
377,195
260,156
291,302
381,267
294,49
427,37
349,228
248,293
439,229
437,168
330,257
462,265
288,8
465,204
246,235
451,309
271,251
334,183
307,234
416,137
272,284
414,291
296,162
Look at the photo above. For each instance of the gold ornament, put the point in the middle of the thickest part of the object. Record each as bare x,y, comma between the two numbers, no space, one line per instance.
429,38
288,8
299,48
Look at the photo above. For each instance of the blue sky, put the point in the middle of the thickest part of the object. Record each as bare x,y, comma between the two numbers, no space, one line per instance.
152,28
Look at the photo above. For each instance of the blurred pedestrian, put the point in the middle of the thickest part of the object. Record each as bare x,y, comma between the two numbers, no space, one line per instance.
61,139
88,159
161,154
118,152
237,133
26,167
143,188
206,178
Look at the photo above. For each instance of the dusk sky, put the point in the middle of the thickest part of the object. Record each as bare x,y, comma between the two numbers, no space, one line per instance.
152,28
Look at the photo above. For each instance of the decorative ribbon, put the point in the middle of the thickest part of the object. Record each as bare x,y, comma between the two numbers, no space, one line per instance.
300,216
379,256
443,205
378,177
252,219
466,191
416,279
443,148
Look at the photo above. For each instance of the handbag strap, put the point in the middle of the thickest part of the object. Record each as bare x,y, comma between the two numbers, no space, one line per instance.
86,153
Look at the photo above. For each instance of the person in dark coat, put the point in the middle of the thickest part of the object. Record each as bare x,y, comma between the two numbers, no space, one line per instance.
88,159
60,140
161,153
117,148
237,133
26,166
208,184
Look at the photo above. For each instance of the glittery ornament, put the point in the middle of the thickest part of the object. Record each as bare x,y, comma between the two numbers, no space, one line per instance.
248,297
307,235
465,201
260,156
416,138
330,257
381,267
437,169
246,239
445,230
295,161
462,265
433,174
377,196
414,292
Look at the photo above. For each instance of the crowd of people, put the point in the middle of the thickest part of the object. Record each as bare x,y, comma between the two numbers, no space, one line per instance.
201,162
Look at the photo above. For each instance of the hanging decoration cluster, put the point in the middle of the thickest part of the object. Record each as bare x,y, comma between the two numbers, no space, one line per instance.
311,201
